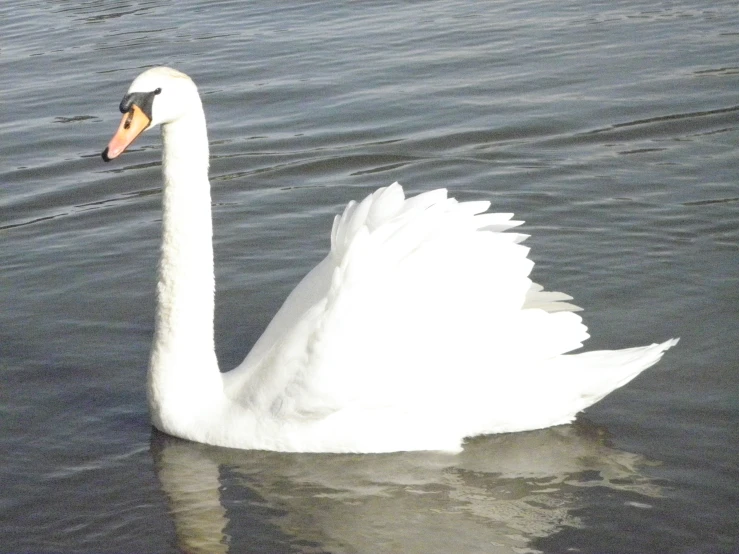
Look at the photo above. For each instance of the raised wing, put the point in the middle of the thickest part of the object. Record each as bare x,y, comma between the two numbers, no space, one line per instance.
421,303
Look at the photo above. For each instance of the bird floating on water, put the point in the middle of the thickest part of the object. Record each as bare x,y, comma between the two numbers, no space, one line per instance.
420,327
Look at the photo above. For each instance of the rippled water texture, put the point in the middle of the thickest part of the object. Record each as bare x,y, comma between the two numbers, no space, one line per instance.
610,127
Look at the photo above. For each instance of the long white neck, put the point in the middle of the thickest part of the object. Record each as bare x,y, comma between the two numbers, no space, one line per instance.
183,371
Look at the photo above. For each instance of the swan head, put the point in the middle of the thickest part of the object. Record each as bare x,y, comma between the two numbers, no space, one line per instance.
158,96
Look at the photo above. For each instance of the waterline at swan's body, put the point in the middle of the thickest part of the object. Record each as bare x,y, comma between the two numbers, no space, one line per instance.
421,326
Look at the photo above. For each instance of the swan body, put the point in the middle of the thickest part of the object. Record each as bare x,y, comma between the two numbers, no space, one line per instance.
420,327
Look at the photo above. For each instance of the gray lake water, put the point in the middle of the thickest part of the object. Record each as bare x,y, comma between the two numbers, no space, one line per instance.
610,127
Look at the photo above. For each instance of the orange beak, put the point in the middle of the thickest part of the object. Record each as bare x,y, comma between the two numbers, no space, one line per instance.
133,123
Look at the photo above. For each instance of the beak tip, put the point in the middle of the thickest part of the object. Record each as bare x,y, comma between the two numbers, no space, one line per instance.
105,155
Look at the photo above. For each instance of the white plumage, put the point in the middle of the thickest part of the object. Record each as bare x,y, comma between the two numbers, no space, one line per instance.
420,327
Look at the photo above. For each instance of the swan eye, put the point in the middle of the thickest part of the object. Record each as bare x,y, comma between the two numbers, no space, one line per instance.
158,90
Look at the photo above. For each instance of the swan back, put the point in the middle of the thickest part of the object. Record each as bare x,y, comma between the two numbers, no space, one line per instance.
419,308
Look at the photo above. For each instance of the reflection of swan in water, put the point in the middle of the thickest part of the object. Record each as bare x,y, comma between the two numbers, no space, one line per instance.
498,495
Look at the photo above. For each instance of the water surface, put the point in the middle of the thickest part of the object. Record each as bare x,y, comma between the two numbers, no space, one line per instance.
610,127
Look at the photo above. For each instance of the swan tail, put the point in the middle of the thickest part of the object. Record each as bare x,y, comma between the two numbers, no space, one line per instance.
563,386
601,372
612,369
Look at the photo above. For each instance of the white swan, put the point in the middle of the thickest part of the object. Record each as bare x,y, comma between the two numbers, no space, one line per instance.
418,329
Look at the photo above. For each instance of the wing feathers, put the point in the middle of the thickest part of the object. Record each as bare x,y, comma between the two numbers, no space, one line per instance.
423,306
426,293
